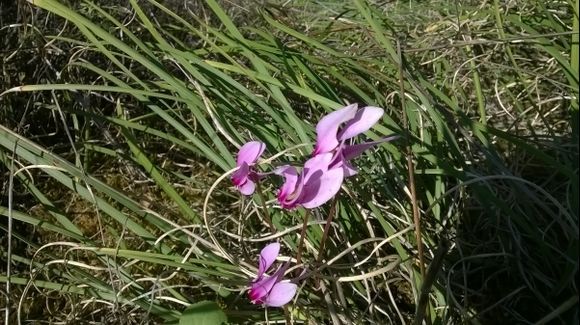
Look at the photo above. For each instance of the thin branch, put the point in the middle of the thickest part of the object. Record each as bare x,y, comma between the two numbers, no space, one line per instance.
411,169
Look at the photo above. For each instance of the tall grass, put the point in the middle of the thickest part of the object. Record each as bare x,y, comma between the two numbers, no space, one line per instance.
118,204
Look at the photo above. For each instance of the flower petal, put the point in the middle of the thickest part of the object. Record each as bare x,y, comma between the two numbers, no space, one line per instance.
267,257
239,177
247,188
291,178
353,151
317,163
349,170
250,152
327,128
321,188
363,120
281,294
260,289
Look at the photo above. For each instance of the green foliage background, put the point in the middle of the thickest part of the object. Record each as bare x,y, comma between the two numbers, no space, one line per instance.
120,120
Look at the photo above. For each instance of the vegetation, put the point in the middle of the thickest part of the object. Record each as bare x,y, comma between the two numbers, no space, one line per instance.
120,123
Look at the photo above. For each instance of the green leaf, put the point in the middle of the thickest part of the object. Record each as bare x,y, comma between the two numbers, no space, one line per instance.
204,312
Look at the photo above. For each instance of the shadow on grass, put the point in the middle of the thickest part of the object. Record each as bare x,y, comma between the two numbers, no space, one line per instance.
515,254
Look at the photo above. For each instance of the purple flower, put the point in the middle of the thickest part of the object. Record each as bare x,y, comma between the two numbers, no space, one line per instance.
331,138
271,290
314,186
244,178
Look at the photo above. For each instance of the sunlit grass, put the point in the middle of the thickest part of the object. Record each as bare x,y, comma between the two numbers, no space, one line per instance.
115,159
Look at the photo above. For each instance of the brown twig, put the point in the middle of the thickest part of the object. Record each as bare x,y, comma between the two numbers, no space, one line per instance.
411,168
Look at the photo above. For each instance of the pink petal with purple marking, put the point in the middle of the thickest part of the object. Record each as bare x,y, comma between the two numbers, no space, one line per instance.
260,289
291,179
240,176
247,188
349,170
353,151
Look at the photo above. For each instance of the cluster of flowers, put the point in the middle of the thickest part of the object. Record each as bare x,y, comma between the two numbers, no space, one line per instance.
322,175
317,182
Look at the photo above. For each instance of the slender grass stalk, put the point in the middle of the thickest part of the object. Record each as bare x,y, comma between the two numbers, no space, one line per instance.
478,91
302,238
265,207
429,280
9,233
411,171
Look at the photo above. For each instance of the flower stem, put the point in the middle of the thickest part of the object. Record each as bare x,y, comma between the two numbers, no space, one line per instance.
265,208
287,315
326,230
302,235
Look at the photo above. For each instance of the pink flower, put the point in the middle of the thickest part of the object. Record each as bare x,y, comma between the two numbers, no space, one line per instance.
331,138
244,178
271,290
314,186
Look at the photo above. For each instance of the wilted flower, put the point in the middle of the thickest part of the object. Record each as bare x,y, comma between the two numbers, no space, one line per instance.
267,290
244,178
314,186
